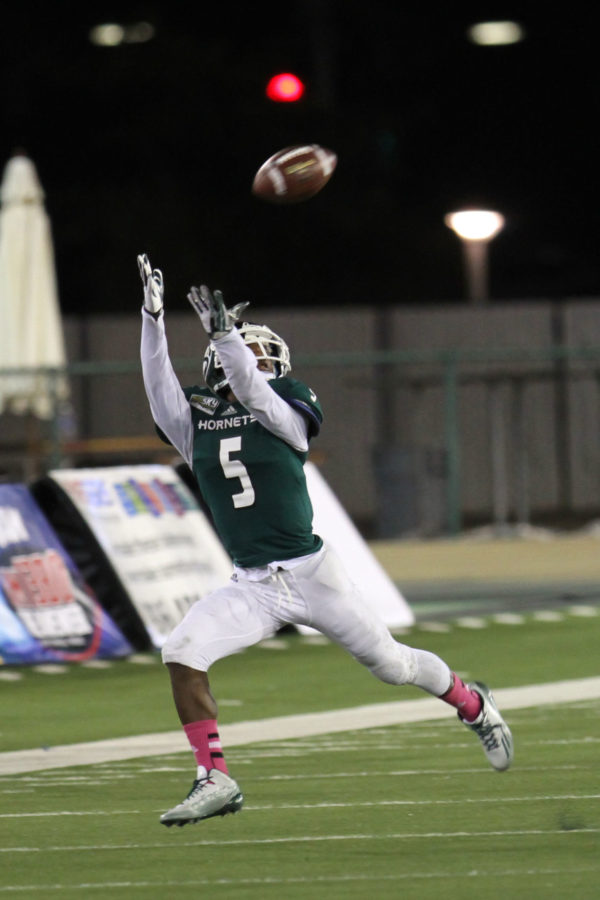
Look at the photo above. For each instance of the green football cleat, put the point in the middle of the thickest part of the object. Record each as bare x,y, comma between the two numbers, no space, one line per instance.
491,729
214,795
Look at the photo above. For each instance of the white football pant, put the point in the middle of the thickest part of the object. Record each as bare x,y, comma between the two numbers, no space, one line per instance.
316,592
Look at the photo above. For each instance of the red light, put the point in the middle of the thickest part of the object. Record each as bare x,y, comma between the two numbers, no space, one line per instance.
285,88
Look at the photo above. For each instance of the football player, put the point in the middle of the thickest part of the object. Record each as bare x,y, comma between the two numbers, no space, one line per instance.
245,435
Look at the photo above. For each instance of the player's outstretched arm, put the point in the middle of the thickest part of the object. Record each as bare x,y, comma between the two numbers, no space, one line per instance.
154,290
239,364
168,403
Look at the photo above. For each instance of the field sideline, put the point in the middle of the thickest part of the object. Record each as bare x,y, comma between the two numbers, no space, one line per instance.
289,727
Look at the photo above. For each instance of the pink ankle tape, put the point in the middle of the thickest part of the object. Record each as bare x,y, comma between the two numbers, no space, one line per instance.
206,744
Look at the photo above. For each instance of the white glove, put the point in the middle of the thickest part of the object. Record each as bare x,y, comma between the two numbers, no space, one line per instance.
153,286
216,319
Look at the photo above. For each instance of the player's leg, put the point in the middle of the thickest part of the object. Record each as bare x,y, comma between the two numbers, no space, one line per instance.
338,610
191,693
222,623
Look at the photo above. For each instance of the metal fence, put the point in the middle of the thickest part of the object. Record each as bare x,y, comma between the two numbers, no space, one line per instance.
491,435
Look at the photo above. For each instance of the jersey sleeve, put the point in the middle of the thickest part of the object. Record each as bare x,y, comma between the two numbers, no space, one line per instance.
188,392
168,403
302,398
254,392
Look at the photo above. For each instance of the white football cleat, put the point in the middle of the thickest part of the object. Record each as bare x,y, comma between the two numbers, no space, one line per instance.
214,795
491,729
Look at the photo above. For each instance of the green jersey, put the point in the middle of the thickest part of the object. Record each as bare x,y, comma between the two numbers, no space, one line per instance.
253,481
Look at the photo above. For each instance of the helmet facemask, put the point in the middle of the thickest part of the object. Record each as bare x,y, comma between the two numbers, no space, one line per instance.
270,347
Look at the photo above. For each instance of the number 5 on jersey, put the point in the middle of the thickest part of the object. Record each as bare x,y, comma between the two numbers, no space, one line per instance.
234,468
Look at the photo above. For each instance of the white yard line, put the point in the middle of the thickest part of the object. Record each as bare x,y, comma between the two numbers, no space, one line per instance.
269,807
285,727
309,839
268,881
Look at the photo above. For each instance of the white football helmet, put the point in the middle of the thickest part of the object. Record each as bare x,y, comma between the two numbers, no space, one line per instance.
270,345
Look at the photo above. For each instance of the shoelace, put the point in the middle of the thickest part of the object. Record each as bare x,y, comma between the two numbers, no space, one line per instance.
487,735
199,785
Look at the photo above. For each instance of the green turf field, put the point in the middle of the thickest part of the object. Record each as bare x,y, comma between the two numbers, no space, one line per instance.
405,811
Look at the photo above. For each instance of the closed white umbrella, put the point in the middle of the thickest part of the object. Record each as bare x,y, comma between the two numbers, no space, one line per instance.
31,333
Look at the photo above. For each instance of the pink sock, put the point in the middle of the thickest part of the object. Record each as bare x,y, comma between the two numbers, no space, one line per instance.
467,702
205,742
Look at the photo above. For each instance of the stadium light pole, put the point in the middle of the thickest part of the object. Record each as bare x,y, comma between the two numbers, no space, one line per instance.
476,228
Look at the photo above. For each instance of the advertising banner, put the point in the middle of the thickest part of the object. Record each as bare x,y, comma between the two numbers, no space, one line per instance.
144,528
47,611
333,523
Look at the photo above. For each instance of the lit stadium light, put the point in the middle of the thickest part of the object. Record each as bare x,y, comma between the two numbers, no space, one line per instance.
112,34
495,34
109,34
476,228
284,88
475,224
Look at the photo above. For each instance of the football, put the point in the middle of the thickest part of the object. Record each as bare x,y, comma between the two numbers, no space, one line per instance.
294,174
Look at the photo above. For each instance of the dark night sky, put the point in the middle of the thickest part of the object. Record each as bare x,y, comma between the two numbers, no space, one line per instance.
152,147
